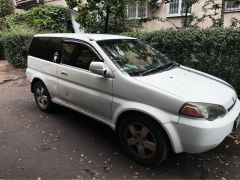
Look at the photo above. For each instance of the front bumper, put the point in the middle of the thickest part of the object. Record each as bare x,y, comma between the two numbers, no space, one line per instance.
198,135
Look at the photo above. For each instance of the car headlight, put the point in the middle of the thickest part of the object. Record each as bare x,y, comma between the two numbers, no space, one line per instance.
203,110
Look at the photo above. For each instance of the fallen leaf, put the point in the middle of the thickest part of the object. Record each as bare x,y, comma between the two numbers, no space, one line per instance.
106,168
237,141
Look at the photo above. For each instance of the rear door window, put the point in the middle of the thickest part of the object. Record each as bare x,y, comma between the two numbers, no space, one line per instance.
47,48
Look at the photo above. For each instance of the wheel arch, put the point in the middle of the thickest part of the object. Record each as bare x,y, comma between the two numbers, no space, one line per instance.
151,118
34,80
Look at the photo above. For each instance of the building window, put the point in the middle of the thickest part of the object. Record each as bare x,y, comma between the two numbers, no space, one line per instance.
232,6
137,10
177,8
24,3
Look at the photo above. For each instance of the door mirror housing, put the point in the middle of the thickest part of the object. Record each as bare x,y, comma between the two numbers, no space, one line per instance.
98,68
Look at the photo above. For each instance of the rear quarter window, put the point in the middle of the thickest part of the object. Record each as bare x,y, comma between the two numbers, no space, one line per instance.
46,48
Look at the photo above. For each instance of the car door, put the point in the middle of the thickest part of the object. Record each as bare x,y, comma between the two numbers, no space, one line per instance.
44,56
80,88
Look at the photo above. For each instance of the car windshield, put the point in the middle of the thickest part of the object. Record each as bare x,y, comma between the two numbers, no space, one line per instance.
135,57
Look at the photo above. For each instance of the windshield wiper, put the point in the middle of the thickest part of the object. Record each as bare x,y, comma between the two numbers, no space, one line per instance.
135,74
160,68
156,69
172,65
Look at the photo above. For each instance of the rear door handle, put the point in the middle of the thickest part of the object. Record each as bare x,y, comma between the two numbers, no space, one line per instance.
64,73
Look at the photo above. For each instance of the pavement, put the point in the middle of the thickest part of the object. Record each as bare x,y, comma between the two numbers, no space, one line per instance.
66,144
4,74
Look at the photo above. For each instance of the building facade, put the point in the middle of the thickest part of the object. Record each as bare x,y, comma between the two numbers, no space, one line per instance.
170,15
26,4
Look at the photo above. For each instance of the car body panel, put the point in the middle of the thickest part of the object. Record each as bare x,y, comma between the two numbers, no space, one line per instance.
189,85
47,73
82,88
159,95
201,135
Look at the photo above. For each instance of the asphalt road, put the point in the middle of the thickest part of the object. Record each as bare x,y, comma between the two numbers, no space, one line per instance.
66,144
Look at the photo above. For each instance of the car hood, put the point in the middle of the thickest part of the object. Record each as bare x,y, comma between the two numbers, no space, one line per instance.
192,86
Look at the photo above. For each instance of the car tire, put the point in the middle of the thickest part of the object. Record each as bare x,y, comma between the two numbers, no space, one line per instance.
42,97
143,139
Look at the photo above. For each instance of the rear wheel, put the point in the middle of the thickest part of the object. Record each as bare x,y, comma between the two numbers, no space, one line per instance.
42,96
143,139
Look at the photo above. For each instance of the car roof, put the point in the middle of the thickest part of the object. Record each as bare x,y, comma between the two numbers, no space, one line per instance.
86,37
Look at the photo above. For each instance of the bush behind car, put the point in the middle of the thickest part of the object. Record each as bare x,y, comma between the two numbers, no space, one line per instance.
215,50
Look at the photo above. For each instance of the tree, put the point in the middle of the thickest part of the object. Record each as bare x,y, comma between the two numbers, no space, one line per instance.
188,19
6,8
110,16
103,16
71,3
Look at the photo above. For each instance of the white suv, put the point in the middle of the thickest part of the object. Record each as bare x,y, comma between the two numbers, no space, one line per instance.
153,104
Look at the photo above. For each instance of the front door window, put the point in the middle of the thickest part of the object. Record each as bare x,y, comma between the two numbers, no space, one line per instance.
77,55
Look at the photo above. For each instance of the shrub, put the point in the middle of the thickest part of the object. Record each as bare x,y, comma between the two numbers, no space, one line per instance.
17,31
6,8
215,51
15,44
45,18
72,3
1,51
2,28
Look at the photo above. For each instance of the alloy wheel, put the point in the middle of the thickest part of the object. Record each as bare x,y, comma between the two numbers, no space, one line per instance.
41,96
141,140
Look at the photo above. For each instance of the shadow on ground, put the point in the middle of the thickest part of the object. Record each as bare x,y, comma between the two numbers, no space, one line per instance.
221,162
66,144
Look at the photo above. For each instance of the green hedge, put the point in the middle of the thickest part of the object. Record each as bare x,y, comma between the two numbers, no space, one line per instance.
45,18
16,31
1,51
6,7
214,51
2,28
15,45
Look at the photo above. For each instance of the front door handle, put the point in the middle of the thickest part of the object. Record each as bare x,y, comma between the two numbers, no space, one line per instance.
64,73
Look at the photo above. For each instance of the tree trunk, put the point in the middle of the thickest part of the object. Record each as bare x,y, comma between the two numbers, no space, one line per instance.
107,19
222,13
186,18
185,21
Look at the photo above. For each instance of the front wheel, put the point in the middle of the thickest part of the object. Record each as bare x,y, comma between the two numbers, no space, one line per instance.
143,139
42,97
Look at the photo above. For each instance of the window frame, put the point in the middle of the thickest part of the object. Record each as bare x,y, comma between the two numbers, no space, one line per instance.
231,9
82,43
137,11
179,13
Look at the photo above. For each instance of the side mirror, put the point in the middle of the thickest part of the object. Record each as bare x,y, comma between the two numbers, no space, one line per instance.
98,68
